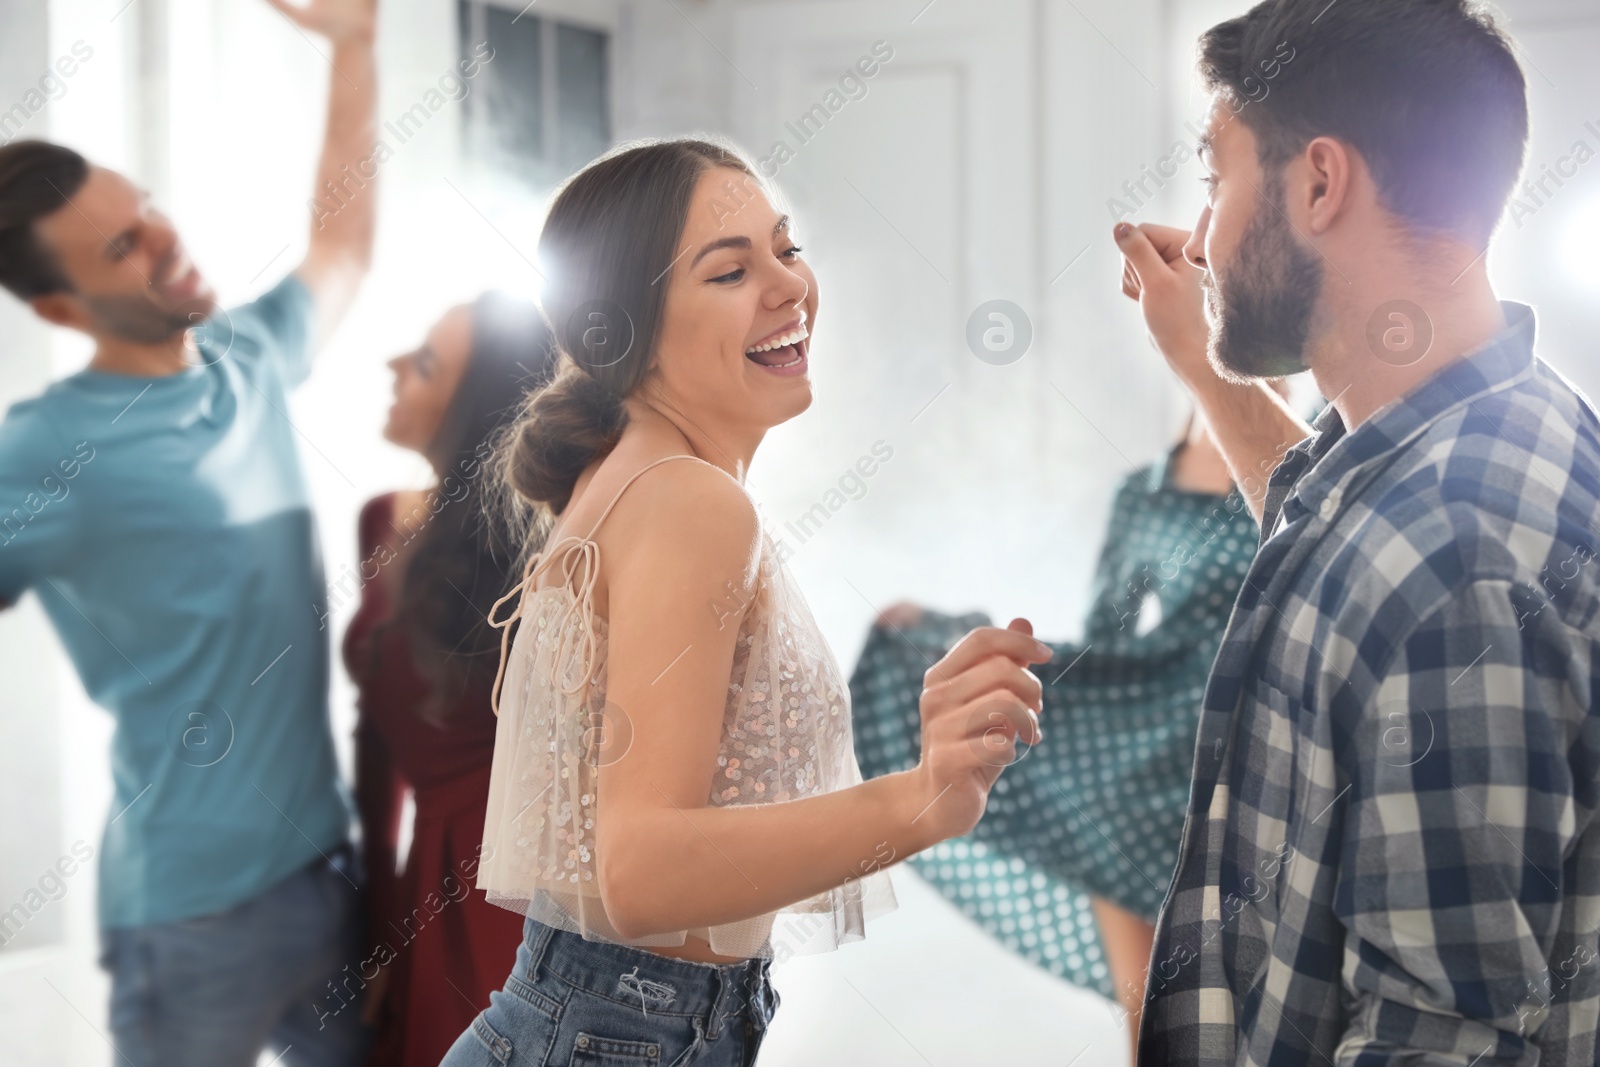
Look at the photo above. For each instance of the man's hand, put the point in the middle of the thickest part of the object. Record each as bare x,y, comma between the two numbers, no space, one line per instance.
1167,289
1252,425
337,20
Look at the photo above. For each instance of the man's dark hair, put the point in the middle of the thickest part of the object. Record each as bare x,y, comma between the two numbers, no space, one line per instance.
1428,91
36,178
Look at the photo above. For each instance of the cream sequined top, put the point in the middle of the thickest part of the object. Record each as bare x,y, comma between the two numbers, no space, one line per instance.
785,735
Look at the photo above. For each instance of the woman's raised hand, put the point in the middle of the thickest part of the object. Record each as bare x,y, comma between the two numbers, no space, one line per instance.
977,703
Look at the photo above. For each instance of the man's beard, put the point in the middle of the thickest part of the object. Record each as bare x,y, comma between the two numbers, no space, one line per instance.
140,320
1261,328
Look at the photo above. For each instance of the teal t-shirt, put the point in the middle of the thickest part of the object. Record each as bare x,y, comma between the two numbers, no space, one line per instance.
165,525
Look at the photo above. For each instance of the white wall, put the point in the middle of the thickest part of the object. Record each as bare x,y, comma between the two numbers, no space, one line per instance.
1545,256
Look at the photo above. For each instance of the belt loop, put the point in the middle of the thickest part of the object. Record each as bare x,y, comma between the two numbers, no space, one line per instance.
749,991
763,984
714,1023
539,947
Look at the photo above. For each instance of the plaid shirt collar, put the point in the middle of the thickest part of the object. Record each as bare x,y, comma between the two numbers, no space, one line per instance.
1332,465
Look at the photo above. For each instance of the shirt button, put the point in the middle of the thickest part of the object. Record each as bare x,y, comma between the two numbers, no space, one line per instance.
1330,506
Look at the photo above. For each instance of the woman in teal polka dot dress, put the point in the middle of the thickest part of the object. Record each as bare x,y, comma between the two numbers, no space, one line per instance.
1095,812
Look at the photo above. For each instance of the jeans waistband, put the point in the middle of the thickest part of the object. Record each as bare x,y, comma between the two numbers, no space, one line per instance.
642,979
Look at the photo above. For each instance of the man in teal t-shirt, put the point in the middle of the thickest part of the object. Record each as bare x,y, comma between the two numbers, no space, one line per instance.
155,504
179,566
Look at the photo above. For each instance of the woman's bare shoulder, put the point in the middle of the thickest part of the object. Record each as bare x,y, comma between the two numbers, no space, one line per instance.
683,512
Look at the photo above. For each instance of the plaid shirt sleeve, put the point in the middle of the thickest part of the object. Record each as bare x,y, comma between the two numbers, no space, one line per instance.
1462,810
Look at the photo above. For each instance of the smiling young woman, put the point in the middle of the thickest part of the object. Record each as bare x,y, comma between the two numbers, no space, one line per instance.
675,799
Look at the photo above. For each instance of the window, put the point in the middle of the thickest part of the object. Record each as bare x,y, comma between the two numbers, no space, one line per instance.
541,106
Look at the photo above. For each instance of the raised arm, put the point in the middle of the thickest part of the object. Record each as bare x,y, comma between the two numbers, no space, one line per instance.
343,200
670,861
1252,425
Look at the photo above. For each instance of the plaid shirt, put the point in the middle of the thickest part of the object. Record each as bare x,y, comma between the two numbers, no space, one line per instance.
1391,853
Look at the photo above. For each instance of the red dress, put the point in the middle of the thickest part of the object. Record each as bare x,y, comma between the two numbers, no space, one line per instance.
446,945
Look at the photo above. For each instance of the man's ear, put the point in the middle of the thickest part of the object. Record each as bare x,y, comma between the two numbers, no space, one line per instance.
1328,169
61,309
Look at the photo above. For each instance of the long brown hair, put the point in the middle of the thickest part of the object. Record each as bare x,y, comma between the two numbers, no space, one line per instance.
465,555
609,241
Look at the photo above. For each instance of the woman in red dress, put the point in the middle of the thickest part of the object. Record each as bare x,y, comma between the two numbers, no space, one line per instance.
423,660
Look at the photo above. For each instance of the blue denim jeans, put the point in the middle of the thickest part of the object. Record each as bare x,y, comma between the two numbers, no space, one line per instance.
594,1004
278,972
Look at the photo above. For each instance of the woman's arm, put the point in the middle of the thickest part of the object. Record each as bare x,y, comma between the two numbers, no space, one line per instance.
680,554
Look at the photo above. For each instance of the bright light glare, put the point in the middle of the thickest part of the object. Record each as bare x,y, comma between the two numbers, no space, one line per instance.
1580,258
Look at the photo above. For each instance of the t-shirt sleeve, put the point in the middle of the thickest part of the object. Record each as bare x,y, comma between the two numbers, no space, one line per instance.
37,472
277,329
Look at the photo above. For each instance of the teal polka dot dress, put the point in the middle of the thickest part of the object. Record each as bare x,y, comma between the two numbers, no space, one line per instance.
1098,807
